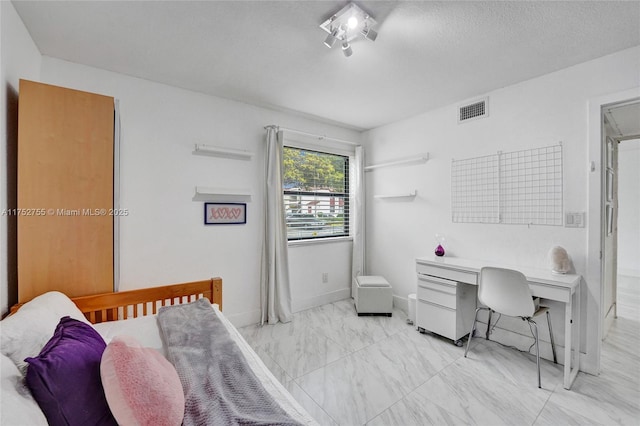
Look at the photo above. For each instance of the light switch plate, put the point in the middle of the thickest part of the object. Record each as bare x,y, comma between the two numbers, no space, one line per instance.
574,219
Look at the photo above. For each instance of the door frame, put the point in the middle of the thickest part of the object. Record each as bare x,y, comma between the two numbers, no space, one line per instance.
609,312
590,363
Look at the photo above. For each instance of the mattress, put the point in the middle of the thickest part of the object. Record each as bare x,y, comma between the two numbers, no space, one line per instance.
147,332
18,407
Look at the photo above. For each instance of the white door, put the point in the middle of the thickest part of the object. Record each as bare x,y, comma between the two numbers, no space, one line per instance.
610,232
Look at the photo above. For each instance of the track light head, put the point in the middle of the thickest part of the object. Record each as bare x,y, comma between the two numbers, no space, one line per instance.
346,49
331,39
369,34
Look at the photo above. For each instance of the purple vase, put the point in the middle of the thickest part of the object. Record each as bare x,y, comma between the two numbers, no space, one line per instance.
439,250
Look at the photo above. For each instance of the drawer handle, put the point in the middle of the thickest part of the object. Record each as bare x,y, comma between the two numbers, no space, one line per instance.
438,290
437,306
437,280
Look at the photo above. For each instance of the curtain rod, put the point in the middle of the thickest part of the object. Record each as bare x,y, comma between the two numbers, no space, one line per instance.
313,135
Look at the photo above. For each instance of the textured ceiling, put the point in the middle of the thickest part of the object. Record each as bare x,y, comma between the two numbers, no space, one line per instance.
271,53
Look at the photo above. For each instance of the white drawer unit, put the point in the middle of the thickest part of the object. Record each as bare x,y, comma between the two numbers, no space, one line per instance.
445,307
438,291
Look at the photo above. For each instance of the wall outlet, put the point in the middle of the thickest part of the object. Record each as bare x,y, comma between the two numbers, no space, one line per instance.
325,277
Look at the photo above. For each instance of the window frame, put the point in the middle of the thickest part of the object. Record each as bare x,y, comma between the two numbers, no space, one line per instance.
345,195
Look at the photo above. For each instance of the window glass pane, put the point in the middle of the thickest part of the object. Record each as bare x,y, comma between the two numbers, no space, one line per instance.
316,194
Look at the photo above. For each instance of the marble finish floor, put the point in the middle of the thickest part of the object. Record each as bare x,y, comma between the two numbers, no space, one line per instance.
350,370
628,297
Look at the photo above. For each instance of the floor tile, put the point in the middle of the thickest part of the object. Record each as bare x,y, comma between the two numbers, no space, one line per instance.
411,361
519,368
351,391
320,316
621,344
615,396
278,372
345,307
309,404
397,322
415,410
598,410
302,353
257,335
445,349
628,297
377,370
482,398
355,333
553,415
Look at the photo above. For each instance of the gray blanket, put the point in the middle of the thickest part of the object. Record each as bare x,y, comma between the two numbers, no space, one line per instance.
219,386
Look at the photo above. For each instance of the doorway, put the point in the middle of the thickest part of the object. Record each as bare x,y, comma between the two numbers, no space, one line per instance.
628,268
620,228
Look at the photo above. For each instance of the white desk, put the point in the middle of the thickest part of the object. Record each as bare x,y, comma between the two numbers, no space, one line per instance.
544,284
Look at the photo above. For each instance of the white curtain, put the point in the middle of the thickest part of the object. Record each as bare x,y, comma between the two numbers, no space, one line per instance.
357,216
274,281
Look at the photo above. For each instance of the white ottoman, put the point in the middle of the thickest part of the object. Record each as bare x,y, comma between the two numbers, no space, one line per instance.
373,296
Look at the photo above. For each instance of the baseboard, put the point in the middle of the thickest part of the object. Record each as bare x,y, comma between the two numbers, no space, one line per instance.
322,299
520,341
629,272
401,303
244,318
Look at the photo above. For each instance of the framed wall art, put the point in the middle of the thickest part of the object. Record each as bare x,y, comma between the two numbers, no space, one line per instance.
225,213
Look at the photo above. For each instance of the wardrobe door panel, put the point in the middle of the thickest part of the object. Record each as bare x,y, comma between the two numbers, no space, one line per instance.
65,178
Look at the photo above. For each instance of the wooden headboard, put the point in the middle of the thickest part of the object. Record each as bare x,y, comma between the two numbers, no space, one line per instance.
145,301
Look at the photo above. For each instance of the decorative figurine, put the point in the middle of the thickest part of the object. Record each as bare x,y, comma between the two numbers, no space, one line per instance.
560,262
439,250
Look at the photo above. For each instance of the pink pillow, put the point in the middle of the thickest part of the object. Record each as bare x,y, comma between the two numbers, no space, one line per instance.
141,386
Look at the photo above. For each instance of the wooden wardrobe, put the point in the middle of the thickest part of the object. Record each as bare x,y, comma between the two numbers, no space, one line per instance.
65,191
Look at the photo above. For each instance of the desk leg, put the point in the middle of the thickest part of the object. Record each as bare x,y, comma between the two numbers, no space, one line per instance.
567,342
572,324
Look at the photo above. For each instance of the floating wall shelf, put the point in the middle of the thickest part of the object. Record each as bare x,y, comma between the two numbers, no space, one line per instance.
222,194
422,158
216,151
396,196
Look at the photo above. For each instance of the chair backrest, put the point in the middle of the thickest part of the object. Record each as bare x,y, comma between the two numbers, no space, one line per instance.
505,291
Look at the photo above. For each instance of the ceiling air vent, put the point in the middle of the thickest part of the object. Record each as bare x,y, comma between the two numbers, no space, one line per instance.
477,109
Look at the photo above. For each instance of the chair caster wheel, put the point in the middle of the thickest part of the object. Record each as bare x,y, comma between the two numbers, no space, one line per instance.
458,343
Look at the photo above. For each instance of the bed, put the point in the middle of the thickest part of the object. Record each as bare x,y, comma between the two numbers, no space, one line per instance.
141,330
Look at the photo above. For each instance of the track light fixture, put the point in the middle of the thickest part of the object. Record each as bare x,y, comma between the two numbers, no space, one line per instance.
348,24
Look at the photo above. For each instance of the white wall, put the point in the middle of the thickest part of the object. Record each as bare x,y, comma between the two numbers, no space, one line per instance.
20,58
629,208
317,258
535,113
163,240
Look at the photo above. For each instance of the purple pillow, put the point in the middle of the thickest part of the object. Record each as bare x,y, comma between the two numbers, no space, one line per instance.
65,377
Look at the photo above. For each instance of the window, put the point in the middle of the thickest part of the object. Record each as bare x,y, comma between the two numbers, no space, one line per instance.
316,194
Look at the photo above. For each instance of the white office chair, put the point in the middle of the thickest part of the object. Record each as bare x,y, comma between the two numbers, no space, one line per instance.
507,292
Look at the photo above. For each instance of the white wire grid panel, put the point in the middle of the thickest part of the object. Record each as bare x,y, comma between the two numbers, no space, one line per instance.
522,187
475,187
